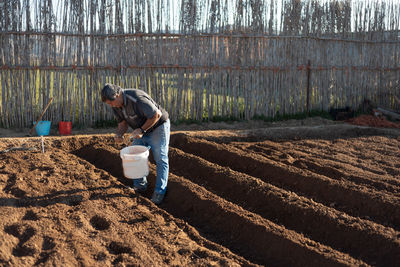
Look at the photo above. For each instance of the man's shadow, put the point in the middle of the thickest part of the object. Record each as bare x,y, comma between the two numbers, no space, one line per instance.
108,159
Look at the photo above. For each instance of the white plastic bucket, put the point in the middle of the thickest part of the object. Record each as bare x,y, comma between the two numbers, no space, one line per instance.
135,161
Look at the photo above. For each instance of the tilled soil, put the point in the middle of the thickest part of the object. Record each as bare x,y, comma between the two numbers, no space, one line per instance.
231,200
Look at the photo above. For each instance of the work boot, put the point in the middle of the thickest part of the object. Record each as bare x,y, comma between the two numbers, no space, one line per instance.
140,185
157,198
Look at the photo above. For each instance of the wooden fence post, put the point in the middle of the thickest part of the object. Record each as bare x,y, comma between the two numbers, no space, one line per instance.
308,86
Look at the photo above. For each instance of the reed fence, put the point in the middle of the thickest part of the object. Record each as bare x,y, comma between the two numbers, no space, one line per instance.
200,59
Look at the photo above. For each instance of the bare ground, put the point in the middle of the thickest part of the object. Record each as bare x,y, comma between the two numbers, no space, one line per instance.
299,193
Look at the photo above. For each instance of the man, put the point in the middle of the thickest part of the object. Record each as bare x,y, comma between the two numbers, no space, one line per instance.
151,128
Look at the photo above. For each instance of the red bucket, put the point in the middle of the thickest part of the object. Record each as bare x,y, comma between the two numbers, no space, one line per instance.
64,127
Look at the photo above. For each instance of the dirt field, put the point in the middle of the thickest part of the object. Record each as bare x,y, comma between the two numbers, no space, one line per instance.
300,194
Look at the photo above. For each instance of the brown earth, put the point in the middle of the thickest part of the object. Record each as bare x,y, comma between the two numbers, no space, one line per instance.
300,193
375,121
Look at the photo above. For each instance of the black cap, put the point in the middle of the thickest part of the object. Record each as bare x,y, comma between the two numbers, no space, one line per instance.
109,92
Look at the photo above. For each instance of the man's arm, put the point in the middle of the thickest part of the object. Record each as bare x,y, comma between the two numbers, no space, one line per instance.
137,133
152,121
121,129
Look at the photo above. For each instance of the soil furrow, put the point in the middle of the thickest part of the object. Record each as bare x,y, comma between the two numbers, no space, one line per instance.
378,166
107,158
380,159
347,161
359,238
246,233
378,144
259,240
350,198
353,150
329,155
327,168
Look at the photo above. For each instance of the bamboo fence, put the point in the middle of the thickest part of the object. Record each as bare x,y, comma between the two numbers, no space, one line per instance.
200,59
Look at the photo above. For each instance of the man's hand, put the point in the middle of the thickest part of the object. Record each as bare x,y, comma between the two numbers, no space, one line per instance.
137,133
118,139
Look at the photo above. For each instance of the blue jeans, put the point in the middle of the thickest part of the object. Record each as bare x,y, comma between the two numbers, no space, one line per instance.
158,141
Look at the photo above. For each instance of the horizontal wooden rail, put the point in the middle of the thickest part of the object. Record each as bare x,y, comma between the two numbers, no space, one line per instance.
196,35
215,67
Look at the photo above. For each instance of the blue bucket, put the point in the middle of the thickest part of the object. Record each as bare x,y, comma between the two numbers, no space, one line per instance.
43,127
